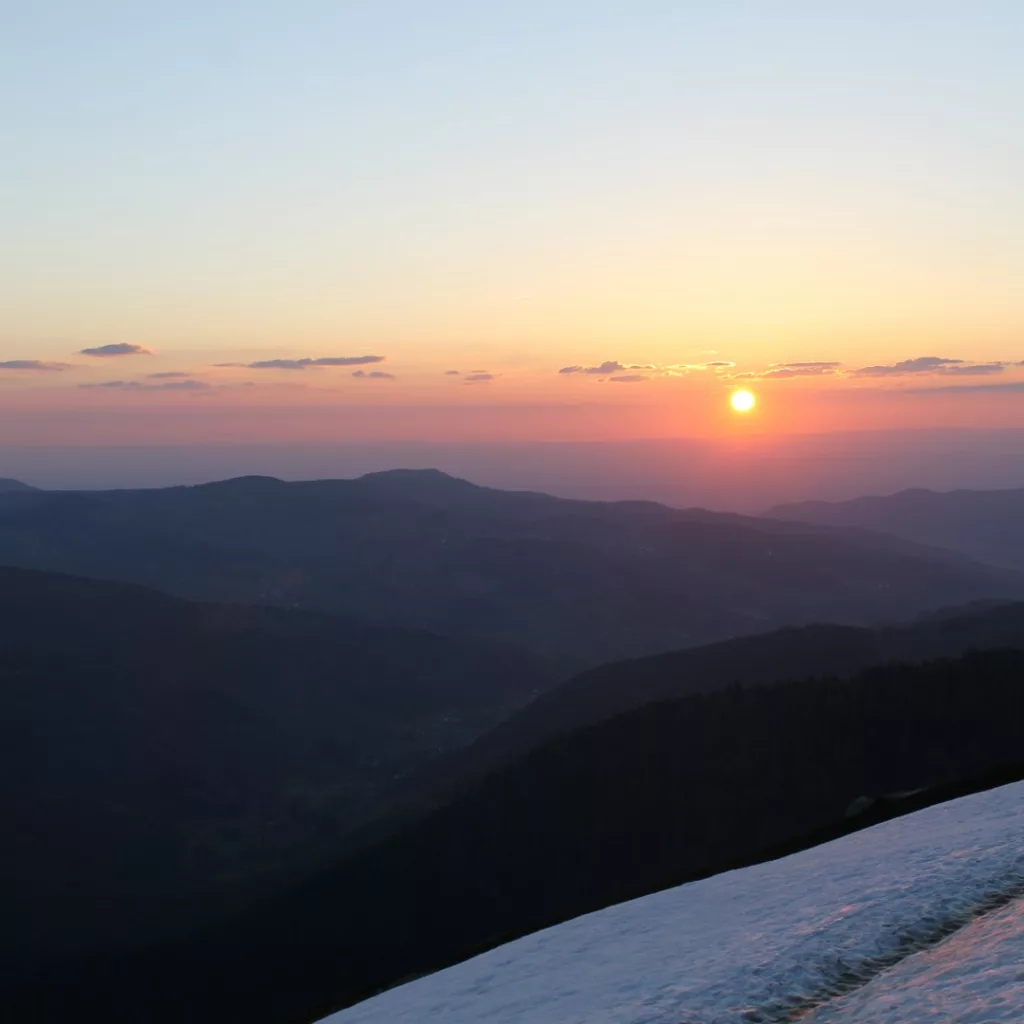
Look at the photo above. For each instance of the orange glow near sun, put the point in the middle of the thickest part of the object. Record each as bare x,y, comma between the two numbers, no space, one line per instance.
742,401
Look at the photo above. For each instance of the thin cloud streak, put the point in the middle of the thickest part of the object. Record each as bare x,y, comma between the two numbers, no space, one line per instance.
784,371
922,364
33,366
302,364
112,351
962,389
609,366
135,385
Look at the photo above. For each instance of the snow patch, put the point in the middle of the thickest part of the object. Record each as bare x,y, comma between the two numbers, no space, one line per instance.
765,944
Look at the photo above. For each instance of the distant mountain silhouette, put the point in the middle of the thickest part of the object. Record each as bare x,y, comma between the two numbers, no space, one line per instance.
163,760
638,802
8,485
586,581
986,525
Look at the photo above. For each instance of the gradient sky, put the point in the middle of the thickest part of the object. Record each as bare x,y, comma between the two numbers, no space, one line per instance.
799,191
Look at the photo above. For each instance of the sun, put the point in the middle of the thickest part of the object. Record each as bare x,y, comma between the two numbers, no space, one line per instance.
742,401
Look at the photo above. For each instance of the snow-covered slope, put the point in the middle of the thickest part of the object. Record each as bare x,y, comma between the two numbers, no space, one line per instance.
912,917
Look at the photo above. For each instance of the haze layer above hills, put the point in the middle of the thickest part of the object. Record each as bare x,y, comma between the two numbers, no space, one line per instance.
584,581
739,473
986,525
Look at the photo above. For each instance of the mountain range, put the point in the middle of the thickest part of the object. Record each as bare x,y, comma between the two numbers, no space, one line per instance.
986,525
585,582
306,740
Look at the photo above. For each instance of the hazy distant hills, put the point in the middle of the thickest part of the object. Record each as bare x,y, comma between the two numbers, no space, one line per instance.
823,651
987,525
7,485
159,757
635,803
586,581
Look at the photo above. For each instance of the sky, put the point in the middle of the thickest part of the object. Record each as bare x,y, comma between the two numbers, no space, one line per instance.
562,220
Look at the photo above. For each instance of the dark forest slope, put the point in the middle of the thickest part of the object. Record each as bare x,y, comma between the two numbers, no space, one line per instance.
636,803
156,755
829,651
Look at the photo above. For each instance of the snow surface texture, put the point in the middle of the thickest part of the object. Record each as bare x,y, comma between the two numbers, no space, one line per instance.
882,925
974,977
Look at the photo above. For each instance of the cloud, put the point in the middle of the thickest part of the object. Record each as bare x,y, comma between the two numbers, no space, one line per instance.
629,378
949,389
180,385
479,378
976,370
612,369
781,371
168,375
135,385
718,364
784,371
301,364
935,365
33,365
451,373
374,375
609,366
122,349
923,364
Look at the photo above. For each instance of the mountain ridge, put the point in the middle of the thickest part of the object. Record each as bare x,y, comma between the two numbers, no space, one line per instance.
987,525
587,582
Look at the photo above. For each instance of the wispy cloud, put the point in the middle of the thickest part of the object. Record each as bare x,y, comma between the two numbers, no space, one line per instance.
374,375
784,371
609,366
33,365
169,375
629,378
922,364
934,365
452,373
948,389
136,385
479,378
976,370
302,364
121,349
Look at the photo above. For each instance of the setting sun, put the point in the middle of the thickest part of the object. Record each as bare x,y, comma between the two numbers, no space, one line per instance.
742,401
